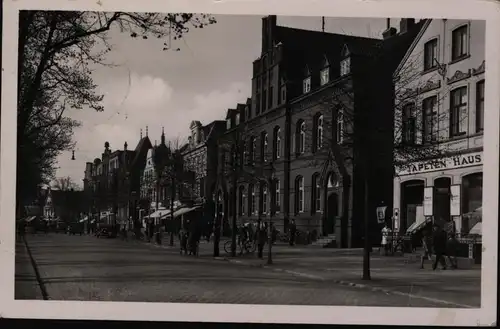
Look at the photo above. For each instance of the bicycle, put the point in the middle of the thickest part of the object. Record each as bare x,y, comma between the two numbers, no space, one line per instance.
247,246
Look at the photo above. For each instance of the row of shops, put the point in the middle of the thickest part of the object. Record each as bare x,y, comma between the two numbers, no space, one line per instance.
447,191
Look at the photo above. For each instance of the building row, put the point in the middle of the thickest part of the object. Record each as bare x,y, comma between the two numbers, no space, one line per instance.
335,127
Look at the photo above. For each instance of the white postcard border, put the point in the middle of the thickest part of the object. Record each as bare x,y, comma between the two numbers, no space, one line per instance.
470,9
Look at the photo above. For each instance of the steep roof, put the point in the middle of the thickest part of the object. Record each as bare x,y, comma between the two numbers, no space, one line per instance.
139,156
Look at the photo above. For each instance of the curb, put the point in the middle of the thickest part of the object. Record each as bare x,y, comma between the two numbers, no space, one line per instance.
347,283
41,285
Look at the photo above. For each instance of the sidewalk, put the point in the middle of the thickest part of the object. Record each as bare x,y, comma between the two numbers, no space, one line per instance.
26,283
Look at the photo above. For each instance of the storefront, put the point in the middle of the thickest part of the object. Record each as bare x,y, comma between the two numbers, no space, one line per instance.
439,190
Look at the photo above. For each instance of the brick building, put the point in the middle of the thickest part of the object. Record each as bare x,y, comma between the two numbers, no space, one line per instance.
297,143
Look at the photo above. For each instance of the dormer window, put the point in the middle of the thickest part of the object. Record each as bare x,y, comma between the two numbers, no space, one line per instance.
345,66
306,83
345,63
324,74
228,123
237,119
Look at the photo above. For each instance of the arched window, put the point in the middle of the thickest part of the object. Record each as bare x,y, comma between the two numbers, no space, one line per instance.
340,127
345,63
277,143
251,201
241,202
316,194
318,132
253,149
300,137
306,83
263,198
299,194
264,146
277,196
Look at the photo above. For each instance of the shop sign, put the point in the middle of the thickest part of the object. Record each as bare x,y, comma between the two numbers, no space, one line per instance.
428,194
458,161
381,214
455,200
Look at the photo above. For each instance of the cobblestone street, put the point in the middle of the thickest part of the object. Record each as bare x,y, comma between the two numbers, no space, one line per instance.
87,268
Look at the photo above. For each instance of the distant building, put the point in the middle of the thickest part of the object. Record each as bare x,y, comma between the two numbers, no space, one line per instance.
200,157
63,205
447,113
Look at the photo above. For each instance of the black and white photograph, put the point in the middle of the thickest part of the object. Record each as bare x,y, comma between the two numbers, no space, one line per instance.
281,164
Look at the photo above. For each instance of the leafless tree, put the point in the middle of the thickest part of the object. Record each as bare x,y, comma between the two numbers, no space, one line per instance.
56,51
64,184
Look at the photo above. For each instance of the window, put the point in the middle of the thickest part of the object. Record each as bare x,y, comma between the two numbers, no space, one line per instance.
252,199
324,76
480,106
271,92
429,113
430,54
242,202
263,198
458,112
459,43
277,143
263,147
345,66
228,123
253,149
277,197
316,194
306,85
299,194
301,143
283,94
318,140
409,133
340,127
264,100
237,119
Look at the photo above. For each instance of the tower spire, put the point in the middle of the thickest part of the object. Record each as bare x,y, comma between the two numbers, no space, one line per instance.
323,23
141,133
162,135
146,131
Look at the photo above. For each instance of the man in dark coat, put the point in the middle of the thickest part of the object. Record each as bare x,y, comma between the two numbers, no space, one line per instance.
439,241
262,238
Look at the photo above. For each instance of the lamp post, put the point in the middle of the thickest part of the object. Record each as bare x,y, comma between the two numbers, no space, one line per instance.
269,171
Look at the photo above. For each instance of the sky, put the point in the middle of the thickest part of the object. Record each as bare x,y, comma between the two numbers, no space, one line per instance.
150,87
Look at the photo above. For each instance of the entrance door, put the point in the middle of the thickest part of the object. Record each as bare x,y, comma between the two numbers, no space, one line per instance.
331,214
442,195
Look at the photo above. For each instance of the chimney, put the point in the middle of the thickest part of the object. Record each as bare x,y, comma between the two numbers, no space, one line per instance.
406,24
389,33
268,31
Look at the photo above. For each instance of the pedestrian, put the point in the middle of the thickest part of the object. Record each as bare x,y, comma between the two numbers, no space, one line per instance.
427,247
385,235
293,232
262,237
274,234
451,250
439,240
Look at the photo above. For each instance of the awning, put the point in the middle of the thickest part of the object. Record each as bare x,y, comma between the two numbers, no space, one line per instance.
477,229
160,213
184,211
419,223
29,219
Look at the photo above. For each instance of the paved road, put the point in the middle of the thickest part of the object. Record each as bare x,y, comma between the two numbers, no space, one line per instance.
87,268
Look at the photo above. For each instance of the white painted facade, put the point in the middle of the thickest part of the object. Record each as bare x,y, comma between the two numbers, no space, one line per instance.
442,188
